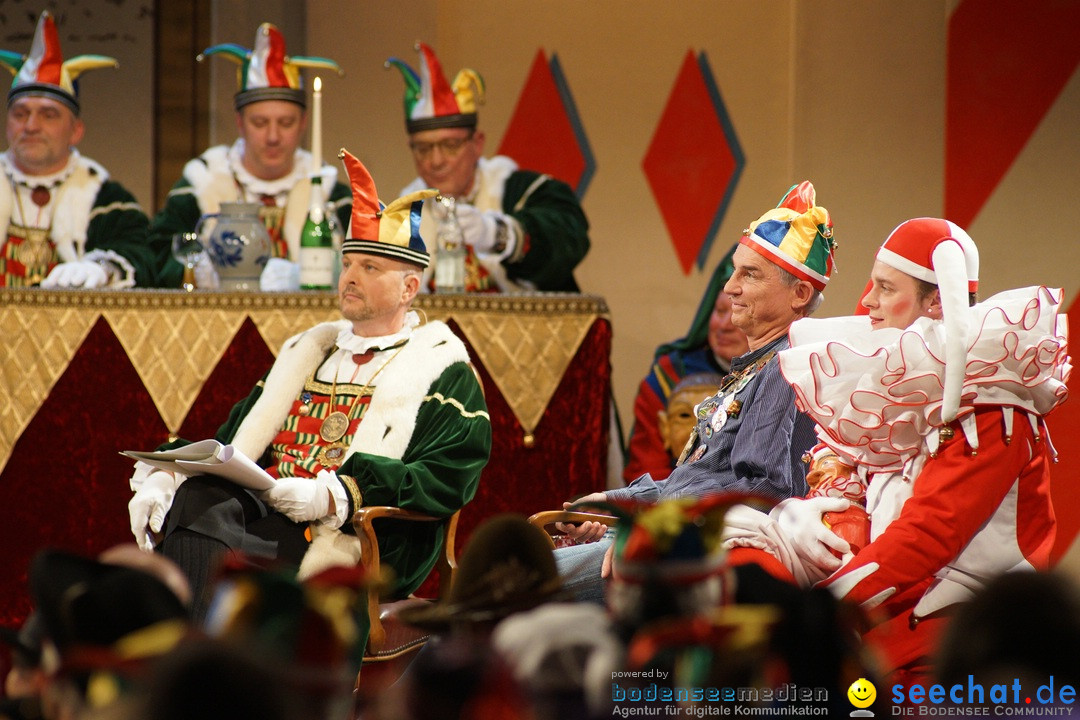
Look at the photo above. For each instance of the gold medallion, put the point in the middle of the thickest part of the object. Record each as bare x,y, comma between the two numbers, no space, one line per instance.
330,456
36,250
334,426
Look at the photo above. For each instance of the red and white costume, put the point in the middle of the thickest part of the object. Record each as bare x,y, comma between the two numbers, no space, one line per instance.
947,515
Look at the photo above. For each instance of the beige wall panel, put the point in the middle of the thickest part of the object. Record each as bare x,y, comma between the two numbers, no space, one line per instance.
869,123
1025,230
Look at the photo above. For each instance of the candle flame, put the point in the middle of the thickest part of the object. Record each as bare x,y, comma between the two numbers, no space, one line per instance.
317,84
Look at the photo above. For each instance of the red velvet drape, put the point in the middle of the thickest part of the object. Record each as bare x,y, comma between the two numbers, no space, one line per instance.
66,485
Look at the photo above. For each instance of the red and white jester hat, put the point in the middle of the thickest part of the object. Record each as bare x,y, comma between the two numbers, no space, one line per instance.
432,103
941,253
45,72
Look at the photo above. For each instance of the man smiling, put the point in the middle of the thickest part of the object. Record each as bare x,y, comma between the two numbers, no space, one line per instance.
749,436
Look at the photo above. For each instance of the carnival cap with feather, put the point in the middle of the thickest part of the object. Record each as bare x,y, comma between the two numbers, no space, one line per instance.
431,102
797,236
44,72
941,253
267,72
389,230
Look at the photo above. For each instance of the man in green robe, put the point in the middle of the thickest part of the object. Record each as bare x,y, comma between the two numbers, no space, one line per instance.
375,409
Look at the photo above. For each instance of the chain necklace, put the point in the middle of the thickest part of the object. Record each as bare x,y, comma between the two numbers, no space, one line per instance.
37,251
335,424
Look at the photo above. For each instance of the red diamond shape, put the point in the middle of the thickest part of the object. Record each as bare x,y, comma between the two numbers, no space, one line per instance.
693,162
544,133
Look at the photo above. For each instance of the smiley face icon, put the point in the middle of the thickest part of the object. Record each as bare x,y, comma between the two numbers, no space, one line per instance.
862,693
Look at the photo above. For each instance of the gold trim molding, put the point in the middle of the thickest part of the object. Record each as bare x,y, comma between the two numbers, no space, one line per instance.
175,339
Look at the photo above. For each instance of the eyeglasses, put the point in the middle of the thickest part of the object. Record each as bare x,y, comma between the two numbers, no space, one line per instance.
447,146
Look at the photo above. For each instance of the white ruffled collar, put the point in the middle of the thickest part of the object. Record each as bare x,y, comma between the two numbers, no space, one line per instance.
32,181
347,340
258,186
876,396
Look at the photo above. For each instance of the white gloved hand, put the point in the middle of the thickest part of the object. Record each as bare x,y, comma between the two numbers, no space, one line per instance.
152,500
206,277
800,521
280,275
480,228
302,499
77,274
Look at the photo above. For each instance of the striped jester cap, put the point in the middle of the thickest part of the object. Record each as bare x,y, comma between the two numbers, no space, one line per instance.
797,236
431,102
389,230
266,72
44,72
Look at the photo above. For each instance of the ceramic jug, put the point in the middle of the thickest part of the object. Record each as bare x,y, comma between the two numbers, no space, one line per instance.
238,244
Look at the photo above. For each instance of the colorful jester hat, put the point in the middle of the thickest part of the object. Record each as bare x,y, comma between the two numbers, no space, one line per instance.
44,72
797,236
389,230
431,102
315,627
266,72
669,557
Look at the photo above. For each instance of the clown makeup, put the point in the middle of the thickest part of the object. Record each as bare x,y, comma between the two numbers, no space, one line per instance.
897,299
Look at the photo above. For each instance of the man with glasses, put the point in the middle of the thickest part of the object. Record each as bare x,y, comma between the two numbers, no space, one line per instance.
265,165
523,230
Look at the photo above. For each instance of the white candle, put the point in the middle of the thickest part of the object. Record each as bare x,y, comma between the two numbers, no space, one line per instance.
316,127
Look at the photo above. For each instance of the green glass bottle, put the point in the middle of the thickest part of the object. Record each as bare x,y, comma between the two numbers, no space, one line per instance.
317,256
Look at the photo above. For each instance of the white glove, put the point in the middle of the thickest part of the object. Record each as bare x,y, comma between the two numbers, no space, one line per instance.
480,228
77,274
147,509
206,277
800,521
303,499
280,275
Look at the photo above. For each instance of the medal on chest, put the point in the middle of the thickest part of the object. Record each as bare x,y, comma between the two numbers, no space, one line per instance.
334,426
331,456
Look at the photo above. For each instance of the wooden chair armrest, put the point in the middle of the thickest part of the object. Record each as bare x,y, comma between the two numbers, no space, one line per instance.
363,524
546,519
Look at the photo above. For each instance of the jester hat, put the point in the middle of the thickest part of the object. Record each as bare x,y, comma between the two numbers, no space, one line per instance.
316,627
267,72
44,72
389,230
797,236
431,102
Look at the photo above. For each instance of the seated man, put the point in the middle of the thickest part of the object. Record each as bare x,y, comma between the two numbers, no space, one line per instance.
375,409
749,436
708,347
944,466
264,165
523,230
66,223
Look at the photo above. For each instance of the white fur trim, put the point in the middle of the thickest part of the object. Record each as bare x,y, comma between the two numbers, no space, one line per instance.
388,423
77,196
212,183
490,184
329,548
126,269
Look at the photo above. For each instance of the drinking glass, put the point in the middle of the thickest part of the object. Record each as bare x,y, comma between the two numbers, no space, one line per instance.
188,251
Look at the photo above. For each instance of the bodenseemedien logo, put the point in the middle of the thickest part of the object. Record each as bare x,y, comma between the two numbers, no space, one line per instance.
862,694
